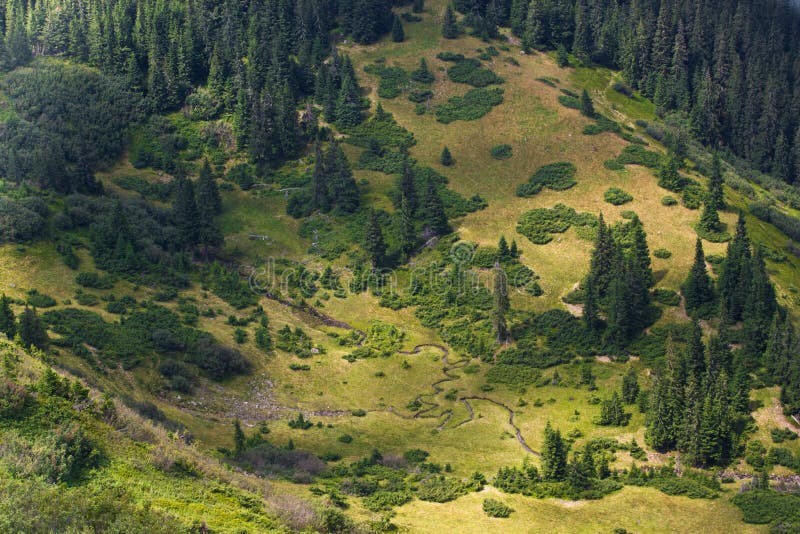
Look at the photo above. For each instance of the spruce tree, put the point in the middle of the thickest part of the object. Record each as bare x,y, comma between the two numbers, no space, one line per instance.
320,198
434,217
422,74
207,188
760,305
408,188
640,255
238,439
715,183
514,250
184,211
503,252
697,290
501,305
32,332
374,243
8,324
398,35
709,220
449,24
418,6
668,176
735,277
630,386
408,233
554,455
659,414
348,103
342,188
587,106
447,158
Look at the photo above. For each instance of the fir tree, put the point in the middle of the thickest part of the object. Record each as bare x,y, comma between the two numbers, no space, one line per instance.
587,106
562,56
408,188
449,25
418,6
696,357
612,412
8,324
760,305
709,220
434,217
398,35
320,198
446,159
348,104
208,206
238,439
715,184
513,250
184,211
408,233
422,74
698,290
503,252
207,188
659,415
735,277
32,332
501,305
668,176
630,386
374,243
554,455
342,188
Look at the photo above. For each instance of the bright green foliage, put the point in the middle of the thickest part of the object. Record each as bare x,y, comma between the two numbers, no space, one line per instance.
617,196
554,455
495,508
538,224
472,106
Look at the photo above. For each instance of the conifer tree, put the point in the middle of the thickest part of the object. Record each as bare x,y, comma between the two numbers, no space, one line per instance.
348,103
184,211
374,243
640,255
32,332
398,35
320,198
630,386
434,217
668,176
760,305
207,188
659,414
446,158
503,252
554,455
735,277
449,24
408,188
343,191
514,250
8,324
238,439
587,106
208,206
422,74
698,291
501,305
696,357
715,184
418,6
709,220
408,233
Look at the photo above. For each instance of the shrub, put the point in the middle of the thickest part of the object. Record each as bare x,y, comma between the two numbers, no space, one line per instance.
558,176
539,223
392,80
419,96
94,280
472,106
40,300
569,101
662,253
779,435
495,508
667,297
637,155
345,438
668,201
613,165
440,489
693,196
617,196
501,151
469,71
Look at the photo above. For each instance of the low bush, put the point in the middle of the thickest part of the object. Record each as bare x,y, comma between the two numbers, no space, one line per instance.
40,300
617,196
667,297
538,224
637,155
392,80
472,106
440,489
779,435
662,253
94,280
469,71
495,508
501,151
668,201
558,176
570,101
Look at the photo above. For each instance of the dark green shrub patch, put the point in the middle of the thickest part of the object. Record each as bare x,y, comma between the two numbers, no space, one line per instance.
381,127
538,224
469,71
617,196
40,300
669,201
637,155
392,80
662,253
495,508
472,106
569,101
501,151
558,176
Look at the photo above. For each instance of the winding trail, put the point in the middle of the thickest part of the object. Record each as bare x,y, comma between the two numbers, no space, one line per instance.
422,398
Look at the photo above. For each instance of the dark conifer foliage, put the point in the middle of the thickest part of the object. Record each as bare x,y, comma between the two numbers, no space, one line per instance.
698,290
